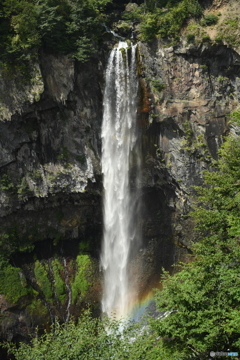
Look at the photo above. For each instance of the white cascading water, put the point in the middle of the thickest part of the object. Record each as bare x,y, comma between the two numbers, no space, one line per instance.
119,156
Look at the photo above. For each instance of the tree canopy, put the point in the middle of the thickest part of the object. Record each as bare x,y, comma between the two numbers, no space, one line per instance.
65,26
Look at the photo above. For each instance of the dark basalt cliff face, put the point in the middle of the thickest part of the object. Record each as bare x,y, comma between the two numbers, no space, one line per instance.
50,186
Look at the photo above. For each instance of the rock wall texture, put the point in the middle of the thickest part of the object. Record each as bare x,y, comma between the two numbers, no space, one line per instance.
50,171
187,93
50,192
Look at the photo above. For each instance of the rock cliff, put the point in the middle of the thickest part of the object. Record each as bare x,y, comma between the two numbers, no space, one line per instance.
50,185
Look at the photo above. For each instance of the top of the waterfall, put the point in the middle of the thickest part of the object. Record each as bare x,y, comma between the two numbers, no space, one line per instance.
123,44
113,32
127,44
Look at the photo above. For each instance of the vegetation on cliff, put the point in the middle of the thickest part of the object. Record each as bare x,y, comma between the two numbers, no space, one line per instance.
73,27
13,283
201,302
81,283
163,18
60,26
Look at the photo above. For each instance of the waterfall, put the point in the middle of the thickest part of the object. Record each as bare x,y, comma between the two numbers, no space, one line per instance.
121,174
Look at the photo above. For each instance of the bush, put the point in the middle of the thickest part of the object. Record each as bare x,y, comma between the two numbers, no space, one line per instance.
219,38
209,20
206,38
158,85
170,22
190,37
91,339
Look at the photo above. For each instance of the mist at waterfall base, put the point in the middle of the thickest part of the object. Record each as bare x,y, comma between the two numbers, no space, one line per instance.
121,167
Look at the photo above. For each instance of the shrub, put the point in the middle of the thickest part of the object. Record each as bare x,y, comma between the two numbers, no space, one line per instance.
209,20
190,37
157,85
219,38
206,38
91,339
6,184
133,12
170,22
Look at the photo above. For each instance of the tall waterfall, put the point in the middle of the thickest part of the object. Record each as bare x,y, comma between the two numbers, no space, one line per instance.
121,171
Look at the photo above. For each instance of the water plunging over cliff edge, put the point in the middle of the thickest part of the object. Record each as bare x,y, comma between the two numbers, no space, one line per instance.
121,162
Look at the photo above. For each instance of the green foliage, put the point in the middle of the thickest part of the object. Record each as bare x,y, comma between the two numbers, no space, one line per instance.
228,31
81,283
235,118
188,131
36,308
209,20
133,12
81,159
6,184
158,85
92,339
206,38
84,49
23,188
12,283
204,67
203,299
13,240
66,26
190,37
64,154
58,272
168,22
196,30
43,282
84,245
219,38
221,78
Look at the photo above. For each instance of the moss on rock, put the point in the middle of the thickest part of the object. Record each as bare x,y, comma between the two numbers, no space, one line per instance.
13,283
43,281
59,284
81,281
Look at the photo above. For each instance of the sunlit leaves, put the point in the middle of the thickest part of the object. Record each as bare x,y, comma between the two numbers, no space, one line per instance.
90,339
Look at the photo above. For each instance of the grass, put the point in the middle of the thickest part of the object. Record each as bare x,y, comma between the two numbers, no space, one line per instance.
228,31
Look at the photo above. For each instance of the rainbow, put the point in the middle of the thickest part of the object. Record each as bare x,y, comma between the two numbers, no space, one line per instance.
139,308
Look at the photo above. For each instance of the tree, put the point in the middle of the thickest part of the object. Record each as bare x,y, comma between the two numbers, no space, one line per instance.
65,26
90,339
202,301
